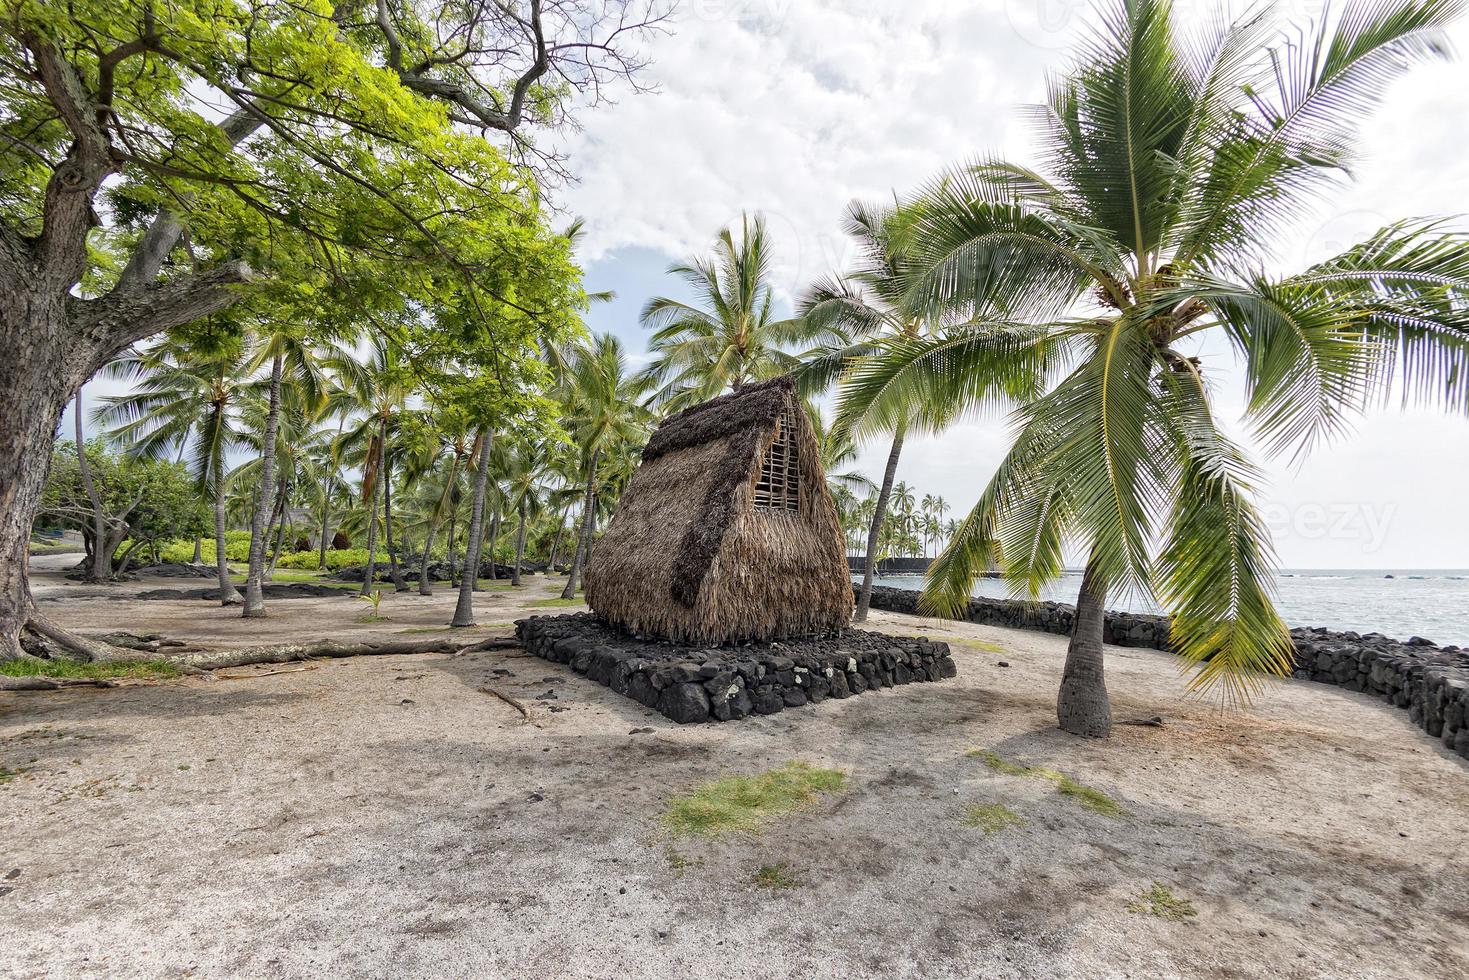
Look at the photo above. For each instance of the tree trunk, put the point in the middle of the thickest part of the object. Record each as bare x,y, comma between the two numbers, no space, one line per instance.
394,572
424,586
490,539
1082,706
265,499
372,494
874,531
519,547
584,540
449,553
556,543
464,609
228,594
198,550
279,517
101,558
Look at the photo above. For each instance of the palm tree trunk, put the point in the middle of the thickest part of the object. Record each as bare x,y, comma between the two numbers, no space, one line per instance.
556,542
519,547
101,563
453,565
198,550
394,572
1082,706
424,585
494,536
228,594
367,579
254,597
584,541
279,515
464,608
874,530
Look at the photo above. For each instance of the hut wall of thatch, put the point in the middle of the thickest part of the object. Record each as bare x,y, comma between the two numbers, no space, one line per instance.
689,557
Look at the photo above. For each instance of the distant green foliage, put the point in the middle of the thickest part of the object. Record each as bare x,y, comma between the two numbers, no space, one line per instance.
1161,902
147,669
149,500
992,817
1092,799
745,802
236,548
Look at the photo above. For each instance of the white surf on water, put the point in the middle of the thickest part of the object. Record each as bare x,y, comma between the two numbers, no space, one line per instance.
1400,603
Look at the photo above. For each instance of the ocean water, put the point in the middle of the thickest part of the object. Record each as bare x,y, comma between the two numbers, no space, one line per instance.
1432,603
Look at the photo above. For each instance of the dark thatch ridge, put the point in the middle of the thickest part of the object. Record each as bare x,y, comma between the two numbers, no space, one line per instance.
690,558
755,406
704,537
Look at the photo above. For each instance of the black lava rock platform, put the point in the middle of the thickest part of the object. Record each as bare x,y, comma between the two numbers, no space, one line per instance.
690,684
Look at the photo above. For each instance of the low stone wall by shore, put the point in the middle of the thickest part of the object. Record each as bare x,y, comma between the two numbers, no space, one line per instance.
1430,681
690,684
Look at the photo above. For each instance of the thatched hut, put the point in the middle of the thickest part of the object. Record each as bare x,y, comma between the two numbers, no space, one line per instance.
727,532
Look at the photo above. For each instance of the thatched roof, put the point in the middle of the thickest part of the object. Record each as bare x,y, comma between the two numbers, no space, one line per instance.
688,557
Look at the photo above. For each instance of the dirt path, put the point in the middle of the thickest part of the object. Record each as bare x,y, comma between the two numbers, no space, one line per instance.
383,816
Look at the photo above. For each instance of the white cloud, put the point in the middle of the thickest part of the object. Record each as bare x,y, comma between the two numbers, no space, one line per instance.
794,108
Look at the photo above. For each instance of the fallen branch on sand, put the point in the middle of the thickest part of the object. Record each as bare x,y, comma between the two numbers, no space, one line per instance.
41,683
524,712
328,650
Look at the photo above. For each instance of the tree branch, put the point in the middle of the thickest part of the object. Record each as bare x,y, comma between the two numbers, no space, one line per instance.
120,318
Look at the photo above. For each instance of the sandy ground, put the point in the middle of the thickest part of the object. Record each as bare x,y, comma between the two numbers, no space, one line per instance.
383,816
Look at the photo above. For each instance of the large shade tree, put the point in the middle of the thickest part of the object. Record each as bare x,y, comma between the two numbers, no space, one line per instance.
1172,168
351,125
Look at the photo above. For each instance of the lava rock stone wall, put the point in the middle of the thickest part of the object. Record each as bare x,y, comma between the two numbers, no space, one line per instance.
690,684
1430,681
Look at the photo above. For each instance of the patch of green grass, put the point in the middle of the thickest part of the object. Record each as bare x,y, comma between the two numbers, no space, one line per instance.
296,575
1092,799
745,802
6,775
497,585
992,817
775,877
558,602
146,669
426,629
998,763
983,645
1161,902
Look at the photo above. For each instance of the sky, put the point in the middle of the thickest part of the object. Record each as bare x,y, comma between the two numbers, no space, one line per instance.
795,107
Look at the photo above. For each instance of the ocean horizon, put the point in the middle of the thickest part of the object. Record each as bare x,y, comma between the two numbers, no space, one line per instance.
1399,602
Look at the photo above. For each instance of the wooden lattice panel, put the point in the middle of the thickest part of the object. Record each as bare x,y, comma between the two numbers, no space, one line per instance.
780,471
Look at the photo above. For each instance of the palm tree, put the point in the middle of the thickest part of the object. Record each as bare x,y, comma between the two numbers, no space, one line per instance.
605,410
734,336
863,309
187,399
525,493
375,390
1171,169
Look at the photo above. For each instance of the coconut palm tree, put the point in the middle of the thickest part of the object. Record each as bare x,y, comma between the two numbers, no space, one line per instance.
375,391
604,410
187,399
1172,167
525,493
858,311
733,335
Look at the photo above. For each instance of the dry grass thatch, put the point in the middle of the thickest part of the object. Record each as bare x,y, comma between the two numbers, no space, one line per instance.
688,557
